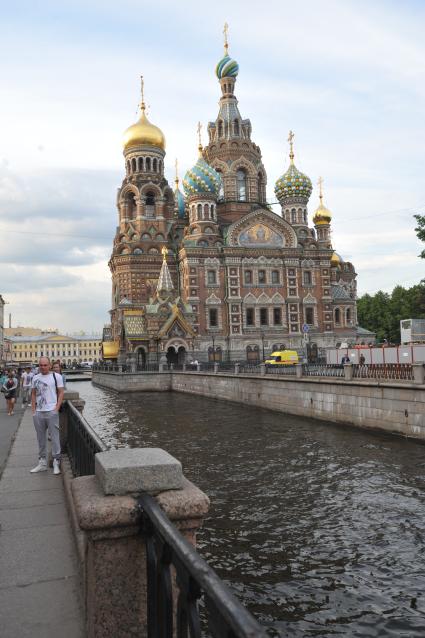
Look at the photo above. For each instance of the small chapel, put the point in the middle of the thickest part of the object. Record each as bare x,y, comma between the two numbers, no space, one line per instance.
213,273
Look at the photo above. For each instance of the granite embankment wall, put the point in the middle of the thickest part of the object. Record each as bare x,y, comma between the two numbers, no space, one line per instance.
397,408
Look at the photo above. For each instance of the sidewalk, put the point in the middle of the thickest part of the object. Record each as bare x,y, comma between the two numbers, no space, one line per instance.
39,586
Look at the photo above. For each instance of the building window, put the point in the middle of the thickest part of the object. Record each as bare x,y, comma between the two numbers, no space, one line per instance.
264,319
241,185
292,292
309,316
275,276
220,128
236,127
348,316
307,278
248,276
213,317
212,277
293,216
253,353
261,276
250,316
337,316
277,316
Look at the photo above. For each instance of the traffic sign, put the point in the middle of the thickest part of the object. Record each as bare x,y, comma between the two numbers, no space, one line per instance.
306,327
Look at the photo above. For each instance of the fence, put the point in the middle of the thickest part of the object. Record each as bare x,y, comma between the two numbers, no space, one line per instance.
223,616
390,371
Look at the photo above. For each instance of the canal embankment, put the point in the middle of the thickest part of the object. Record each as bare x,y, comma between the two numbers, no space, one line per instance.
393,407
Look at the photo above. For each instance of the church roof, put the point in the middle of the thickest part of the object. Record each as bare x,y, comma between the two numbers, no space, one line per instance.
339,293
134,326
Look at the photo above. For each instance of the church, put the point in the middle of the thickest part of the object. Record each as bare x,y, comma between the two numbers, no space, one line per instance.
212,273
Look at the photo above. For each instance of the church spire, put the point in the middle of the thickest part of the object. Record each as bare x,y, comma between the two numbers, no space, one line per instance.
165,283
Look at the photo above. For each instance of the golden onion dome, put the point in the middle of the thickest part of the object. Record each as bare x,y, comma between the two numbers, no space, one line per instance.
336,260
143,133
322,215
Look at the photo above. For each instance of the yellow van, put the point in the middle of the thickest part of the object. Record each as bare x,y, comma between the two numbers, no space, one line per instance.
282,358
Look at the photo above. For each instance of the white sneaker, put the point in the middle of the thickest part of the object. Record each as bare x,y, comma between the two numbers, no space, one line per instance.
56,467
41,467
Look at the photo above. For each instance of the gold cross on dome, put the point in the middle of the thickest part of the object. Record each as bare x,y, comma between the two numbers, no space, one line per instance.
320,183
226,44
199,128
164,251
177,171
291,145
142,89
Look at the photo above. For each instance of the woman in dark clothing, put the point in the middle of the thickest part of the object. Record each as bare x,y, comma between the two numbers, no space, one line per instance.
9,388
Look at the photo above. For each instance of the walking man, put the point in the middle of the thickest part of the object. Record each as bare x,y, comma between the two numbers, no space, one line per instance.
46,399
26,381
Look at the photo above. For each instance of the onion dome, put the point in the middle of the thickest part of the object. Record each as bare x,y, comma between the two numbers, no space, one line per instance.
202,178
226,67
336,260
322,215
293,185
143,133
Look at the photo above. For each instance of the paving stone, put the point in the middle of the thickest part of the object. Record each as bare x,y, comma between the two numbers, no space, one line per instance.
31,499
40,516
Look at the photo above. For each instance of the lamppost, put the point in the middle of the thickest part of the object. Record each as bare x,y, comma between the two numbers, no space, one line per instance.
213,340
262,342
157,339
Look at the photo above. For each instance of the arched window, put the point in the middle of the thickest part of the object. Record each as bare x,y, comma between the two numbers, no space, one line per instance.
293,216
140,163
337,316
241,185
128,167
155,165
220,128
212,211
236,128
206,211
133,165
130,199
199,211
348,316
150,198
260,188
159,166
148,163
221,189
309,316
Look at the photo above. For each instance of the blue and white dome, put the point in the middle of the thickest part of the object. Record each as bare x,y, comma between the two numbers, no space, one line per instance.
180,203
227,68
202,178
293,185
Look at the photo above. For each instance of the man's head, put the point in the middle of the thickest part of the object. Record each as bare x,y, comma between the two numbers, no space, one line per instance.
56,367
44,365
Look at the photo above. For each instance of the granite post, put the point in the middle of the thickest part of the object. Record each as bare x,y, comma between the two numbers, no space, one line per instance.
299,370
115,558
348,371
418,373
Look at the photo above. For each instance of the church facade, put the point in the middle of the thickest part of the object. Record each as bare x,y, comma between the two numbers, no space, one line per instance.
213,273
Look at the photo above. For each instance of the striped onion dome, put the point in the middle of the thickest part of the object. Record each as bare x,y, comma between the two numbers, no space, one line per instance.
293,185
202,178
227,68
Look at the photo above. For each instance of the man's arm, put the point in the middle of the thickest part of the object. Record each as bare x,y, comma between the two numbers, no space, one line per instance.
33,400
60,399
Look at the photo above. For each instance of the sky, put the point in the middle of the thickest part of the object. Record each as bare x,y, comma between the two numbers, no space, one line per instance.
348,77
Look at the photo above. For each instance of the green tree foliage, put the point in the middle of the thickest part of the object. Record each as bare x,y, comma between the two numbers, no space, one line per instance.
382,312
420,230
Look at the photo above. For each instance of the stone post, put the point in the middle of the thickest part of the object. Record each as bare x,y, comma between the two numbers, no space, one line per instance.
262,369
198,367
115,556
236,368
418,373
216,366
184,367
348,371
299,370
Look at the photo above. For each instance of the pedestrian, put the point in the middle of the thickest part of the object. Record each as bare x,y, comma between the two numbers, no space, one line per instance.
362,360
26,381
46,400
345,359
9,388
57,367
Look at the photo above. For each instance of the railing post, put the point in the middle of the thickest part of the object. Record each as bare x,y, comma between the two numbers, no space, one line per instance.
299,370
262,369
418,373
348,371
236,368
115,555
198,367
184,367
216,366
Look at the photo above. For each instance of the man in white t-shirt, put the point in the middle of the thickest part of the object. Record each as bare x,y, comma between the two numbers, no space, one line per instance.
46,399
26,381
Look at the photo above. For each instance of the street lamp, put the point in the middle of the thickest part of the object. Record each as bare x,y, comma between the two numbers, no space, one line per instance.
262,341
213,340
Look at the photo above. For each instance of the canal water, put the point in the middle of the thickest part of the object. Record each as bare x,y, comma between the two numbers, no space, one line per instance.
319,529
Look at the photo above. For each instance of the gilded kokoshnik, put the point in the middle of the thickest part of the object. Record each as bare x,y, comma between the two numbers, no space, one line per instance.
46,399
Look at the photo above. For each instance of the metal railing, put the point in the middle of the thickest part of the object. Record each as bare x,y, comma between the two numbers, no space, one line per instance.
166,548
82,442
389,371
284,370
323,370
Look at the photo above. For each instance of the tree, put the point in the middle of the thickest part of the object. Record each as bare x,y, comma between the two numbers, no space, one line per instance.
420,231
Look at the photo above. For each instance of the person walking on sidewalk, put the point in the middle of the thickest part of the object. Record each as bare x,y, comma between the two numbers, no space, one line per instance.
9,388
46,400
26,380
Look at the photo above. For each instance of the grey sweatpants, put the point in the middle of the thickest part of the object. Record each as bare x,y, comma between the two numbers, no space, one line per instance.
44,421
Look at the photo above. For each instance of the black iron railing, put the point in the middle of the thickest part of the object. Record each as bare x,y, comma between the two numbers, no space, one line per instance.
224,616
82,442
323,370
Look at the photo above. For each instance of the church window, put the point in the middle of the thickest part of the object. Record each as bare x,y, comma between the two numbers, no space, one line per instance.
206,211
140,164
293,216
146,236
337,316
260,188
155,165
261,276
309,316
291,272
211,277
148,163
292,292
159,237
203,243
277,316
241,185
305,216
150,198
199,210
133,165
236,127
250,316
131,204
212,211
248,276
348,315
307,278
220,128
253,354
275,276
213,317
159,166
128,166
264,319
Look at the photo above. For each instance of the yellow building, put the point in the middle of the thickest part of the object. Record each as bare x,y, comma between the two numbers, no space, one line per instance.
69,350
